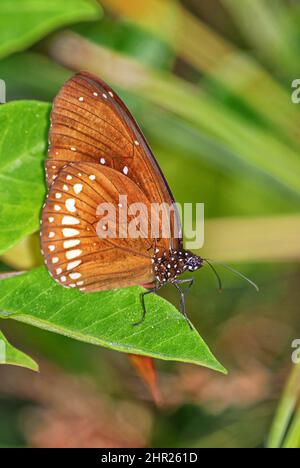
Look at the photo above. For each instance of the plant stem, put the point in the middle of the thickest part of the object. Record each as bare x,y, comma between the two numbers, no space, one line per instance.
285,412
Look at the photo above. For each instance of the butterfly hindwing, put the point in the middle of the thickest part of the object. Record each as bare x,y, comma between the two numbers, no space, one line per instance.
76,251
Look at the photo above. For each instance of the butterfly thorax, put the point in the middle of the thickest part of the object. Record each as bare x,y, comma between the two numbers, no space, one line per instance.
168,265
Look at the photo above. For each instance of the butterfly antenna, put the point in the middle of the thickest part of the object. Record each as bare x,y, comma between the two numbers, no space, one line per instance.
216,274
237,273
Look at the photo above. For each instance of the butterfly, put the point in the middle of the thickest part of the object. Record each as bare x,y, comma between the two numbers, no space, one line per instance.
97,153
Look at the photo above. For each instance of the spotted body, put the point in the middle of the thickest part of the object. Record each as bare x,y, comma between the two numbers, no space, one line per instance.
169,265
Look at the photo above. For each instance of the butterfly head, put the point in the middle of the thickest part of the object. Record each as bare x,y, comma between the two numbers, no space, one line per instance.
193,262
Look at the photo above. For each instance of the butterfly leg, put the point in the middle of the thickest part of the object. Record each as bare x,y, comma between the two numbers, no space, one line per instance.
190,282
182,296
142,296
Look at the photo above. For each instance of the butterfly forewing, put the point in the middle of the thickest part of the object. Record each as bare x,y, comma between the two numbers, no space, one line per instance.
90,123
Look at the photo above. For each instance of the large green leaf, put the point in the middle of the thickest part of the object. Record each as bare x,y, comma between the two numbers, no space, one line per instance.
23,139
104,319
14,357
23,22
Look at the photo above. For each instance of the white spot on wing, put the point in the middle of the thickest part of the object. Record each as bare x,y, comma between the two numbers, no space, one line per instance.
71,254
78,188
70,221
75,276
71,243
69,232
73,265
70,205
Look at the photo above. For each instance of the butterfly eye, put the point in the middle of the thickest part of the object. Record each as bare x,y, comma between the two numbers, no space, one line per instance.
194,263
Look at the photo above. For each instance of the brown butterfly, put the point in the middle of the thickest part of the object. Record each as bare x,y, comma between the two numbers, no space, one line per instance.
97,153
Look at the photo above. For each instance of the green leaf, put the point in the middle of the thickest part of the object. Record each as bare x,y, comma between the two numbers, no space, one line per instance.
284,414
104,319
23,139
292,439
14,357
24,22
275,33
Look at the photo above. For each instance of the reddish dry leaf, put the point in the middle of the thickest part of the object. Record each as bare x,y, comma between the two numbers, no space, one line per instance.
145,368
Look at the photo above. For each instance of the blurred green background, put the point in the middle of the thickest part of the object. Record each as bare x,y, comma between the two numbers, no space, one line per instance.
210,83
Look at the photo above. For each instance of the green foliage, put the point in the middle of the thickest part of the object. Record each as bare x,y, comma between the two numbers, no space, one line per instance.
285,431
23,22
23,142
129,39
14,357
105,319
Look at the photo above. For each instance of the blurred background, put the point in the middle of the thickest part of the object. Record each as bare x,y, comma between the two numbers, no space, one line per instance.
210,83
